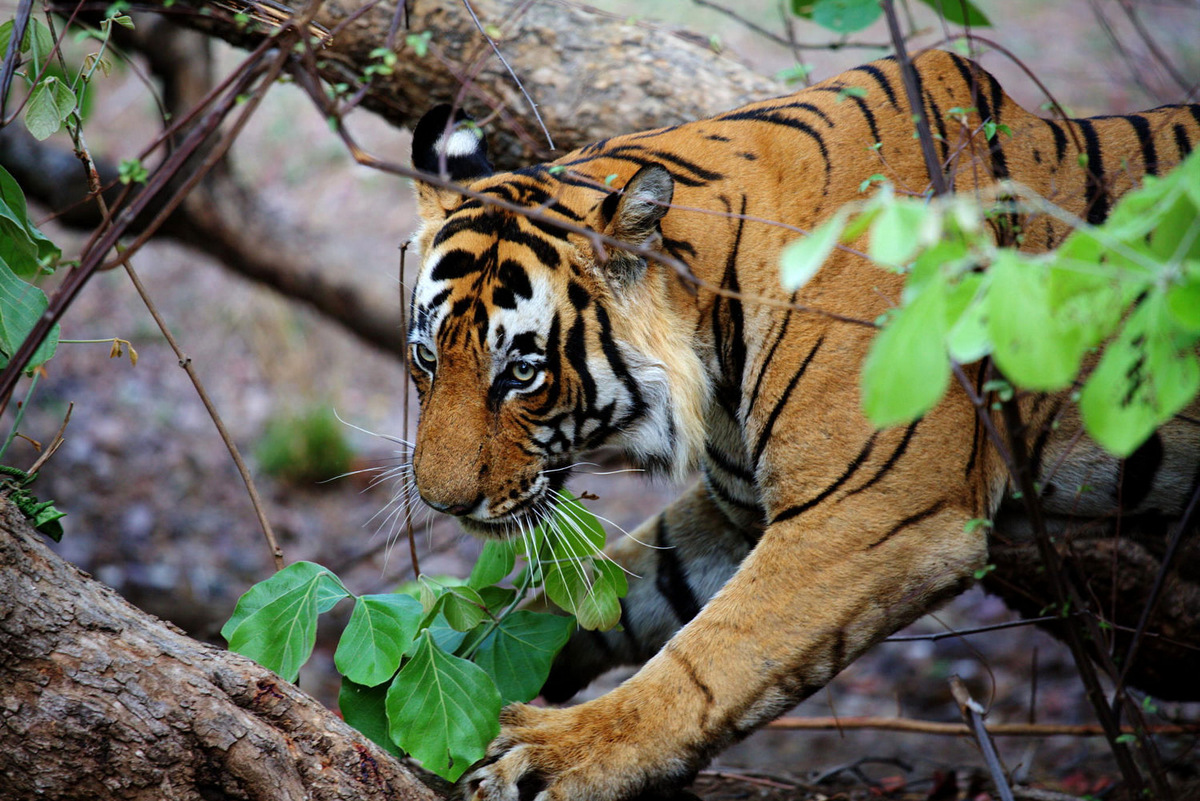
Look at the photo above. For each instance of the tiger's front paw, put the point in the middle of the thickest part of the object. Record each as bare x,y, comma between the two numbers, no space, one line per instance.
584,752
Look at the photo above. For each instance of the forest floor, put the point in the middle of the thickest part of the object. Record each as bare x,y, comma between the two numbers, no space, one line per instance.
156,509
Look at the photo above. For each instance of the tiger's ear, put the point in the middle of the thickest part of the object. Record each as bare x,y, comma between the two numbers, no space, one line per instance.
453,143
633,214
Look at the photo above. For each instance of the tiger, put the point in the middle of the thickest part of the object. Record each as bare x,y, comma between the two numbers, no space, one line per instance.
550,317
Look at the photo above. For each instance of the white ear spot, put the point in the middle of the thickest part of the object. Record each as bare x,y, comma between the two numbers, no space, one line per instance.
462,142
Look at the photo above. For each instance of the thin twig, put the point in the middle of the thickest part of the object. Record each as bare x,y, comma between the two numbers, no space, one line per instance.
20,25
1155,595
186,363
496,48
407,391
940,729
973,715
55,443
941,635
1151,45
937,179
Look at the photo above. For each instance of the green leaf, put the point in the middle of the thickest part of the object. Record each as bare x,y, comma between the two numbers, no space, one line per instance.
894,239
463,608
381,629
518,654
365,708
64,100
1146,375
961,12
42,117
42,42
6,32
22,246
1032,342
328,590
21,305
46,521
442,710
587,590
845,16
497,598
906,370
495,562
281,631
1183,300
600,608
967,339
802,258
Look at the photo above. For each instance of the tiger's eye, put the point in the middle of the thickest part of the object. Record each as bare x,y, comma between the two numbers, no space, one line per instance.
425,357
523,372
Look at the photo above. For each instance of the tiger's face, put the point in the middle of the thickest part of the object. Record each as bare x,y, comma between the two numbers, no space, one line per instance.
521,339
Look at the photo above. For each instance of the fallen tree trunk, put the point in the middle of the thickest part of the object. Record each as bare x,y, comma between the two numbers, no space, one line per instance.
102,701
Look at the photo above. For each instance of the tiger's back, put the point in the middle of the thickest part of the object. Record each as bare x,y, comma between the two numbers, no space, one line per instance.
810,535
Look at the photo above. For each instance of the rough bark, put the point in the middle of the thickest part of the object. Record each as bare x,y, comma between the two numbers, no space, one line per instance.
592,76
101,701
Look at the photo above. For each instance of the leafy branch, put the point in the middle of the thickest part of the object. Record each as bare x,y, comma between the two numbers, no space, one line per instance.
427,669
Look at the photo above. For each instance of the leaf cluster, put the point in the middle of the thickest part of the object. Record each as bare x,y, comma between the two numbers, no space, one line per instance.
427,669
1128,290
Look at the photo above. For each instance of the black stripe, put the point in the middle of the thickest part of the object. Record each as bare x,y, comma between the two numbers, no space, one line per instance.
670,581
616,361
542,249
1141,126
851,469
456,264
988,110
891,460
731,351
576,353
1096,197
936,113
1060,139
722,460
978,423
1182,142
862,107
814,109
908,521
766,363
765,434
881,79
1139,472
719,492
762,115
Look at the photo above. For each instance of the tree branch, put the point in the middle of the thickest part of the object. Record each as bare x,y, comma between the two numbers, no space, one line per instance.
103,701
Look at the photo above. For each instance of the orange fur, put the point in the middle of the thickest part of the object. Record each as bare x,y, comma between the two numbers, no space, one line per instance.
812,535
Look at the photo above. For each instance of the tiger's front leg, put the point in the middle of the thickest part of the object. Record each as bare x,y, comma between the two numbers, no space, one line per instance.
813,595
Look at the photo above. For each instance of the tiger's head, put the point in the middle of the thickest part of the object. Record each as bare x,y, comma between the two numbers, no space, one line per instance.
527,344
